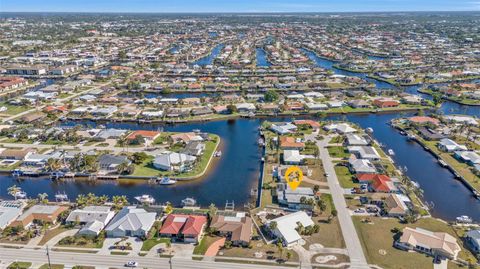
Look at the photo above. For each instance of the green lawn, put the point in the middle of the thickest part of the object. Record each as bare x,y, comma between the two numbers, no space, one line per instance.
122,253
150,243
13,109
54,266
338,152
201,248
377,235
345,178
19,265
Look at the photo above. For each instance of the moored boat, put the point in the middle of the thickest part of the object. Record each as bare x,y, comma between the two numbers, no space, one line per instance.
20,194
218,153
166,181
391,152
61,197
464,219
145,199
189,201
442,163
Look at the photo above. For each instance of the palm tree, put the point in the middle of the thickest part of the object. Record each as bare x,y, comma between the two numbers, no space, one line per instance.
42,197
121,168
273,225
53,164
13,191
119,201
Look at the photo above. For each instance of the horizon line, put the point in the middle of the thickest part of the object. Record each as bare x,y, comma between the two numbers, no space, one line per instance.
241,12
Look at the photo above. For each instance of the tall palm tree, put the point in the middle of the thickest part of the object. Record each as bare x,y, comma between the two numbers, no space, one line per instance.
42,197
13,190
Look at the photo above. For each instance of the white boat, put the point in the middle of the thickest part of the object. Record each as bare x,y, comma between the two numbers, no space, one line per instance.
20,195
17,173
442,163
218,154
59,197
369,130
464,219
391,152
166,181
145,199
196,131
189,201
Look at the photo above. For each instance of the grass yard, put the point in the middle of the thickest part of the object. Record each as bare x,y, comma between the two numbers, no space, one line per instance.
150,243
51,234
267,251
345,178
14,109
54,266
377,235
19,265
202,247
121,253
338,152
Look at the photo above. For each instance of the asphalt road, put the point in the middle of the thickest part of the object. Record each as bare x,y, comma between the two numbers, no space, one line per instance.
354,247
38,256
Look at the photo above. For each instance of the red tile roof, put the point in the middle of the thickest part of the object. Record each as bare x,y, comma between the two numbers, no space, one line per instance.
144,134
371,177
184,224
380,184
424,119
312,123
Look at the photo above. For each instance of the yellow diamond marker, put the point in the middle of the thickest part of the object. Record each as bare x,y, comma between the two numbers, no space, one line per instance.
293,176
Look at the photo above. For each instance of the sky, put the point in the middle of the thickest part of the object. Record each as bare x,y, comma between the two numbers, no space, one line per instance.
236,5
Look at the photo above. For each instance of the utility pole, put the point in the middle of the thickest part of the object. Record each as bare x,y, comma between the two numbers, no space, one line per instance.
169,262
48,257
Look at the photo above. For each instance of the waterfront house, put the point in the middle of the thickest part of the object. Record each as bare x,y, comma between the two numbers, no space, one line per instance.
283,128
359,104
360,166
472,239
449,145
184,228
43,213
293,157
382,184
201,111
194,148
9,211
289,142
221,109
316,106
397,205
174,161
385,102
131,221
430,243
470,157
237,229
110,163
355,140
185,137
424,120
39,160
364,152
33,117
148,136
245,107
293,198
310,123
341,128
92,219
286,229
108,133
429,134
16,154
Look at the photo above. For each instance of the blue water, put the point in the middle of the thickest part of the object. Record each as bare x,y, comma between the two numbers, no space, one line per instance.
262,60
208,60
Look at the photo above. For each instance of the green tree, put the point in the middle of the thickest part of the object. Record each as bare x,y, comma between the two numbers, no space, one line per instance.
271,96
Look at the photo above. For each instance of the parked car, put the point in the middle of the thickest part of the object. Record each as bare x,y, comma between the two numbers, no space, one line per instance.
131,264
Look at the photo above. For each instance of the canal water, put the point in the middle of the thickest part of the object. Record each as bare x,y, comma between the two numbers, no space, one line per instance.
262,60
208,59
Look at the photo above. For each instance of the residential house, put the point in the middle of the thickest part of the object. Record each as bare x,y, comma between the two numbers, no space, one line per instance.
131,221
43,213
286,229
283,128
292,198
289,142
342,128
148,136
470,157
361,166
472,239
110,163
364,152
92,218
356,140
237,229
174,162
449,145
9,211
385,102
430,243
397,205
194,148
185,228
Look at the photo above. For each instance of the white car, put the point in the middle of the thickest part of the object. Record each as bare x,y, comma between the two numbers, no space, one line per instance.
131,264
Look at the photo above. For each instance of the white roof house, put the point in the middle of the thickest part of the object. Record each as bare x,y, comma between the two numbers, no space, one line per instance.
449,145
131,221
9,211
294,156
356,140
94,218
360,166
173,161
342,128
283,128
286,227
364,152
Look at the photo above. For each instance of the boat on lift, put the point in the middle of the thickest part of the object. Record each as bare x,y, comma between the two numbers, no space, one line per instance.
464,219
369,130
166,181
61,197
391,152
218,153
20,195
145,199
189,202
17,173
